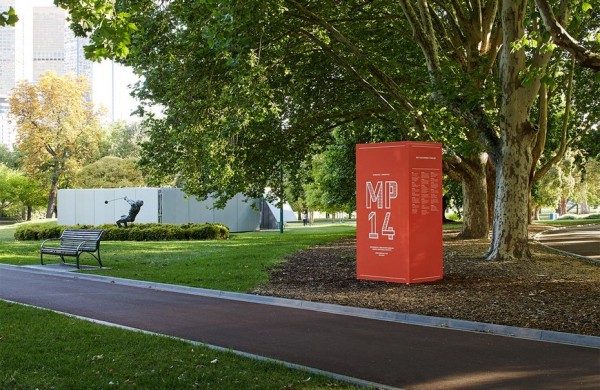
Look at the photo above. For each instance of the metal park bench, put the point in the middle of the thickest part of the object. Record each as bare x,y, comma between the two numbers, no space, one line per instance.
73,243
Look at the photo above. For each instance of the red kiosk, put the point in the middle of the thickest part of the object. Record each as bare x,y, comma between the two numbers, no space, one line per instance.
399,212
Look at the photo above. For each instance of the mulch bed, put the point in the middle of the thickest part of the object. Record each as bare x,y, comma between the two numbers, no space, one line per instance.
552,291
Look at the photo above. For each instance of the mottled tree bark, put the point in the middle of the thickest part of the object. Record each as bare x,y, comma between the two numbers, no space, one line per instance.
513,156
472,175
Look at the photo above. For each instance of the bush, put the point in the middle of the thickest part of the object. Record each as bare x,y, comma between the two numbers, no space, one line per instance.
136,232
38,231
593,216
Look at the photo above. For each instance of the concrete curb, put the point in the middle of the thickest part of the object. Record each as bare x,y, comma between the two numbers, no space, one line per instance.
406,318
537,236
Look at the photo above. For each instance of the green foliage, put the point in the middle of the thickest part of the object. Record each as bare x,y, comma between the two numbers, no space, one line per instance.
9,17
124,140
19,192
10,158
110,172
137,232
333,174
253,89
593,216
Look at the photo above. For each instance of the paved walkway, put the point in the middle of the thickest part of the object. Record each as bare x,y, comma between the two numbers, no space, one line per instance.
580,240
389,353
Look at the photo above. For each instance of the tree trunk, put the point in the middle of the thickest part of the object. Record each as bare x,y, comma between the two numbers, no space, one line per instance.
510,236
490,180
536,213
471,173
585,209
562,207
475,211
512,156
52,197
29,210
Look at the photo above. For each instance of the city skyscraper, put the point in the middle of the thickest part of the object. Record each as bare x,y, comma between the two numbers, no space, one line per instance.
15,62
41,41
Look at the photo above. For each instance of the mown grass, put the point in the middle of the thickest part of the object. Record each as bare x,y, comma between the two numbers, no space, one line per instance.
40,349
237,264
570,222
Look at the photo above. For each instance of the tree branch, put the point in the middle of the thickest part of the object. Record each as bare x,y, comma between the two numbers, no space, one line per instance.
561,37
376,72
560,153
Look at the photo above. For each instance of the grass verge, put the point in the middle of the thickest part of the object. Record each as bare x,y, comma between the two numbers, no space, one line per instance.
40,349
238,264
569,222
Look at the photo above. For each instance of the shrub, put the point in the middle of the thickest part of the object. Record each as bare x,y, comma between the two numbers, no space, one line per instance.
593,216
38,231
135,232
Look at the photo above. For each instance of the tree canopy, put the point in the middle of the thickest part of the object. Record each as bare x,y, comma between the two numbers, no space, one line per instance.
251,89
110,172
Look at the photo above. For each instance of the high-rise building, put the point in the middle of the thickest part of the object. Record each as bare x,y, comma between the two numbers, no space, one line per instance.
75,61
48,41
40,41
15,62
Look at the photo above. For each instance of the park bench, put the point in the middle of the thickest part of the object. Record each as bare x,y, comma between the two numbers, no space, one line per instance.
74,242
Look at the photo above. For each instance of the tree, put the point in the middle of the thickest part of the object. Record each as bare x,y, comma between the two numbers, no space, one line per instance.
29,194
6,188
57,129
8,157
238,79
332,185
8,18
110,172
124,140
584,55
18,192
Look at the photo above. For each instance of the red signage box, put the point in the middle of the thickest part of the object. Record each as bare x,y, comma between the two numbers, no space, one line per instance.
399,212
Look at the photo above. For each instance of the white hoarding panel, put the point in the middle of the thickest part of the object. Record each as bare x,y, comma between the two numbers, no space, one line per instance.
169,205
84,207
248,217
149,211
66,207
201,211
104,206
228,215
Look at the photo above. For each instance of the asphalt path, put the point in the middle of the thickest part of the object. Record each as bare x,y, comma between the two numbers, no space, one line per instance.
389,353
580,240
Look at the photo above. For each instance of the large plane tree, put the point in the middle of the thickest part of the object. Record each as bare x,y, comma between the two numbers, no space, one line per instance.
250,88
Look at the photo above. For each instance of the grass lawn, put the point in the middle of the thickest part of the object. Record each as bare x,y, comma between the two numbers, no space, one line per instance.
569,222
40,349
237,264
45,350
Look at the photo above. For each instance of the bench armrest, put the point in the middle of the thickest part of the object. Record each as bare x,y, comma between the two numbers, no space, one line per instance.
49,239
86,241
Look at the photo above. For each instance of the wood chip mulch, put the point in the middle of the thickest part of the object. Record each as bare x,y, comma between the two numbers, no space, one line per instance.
552,291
